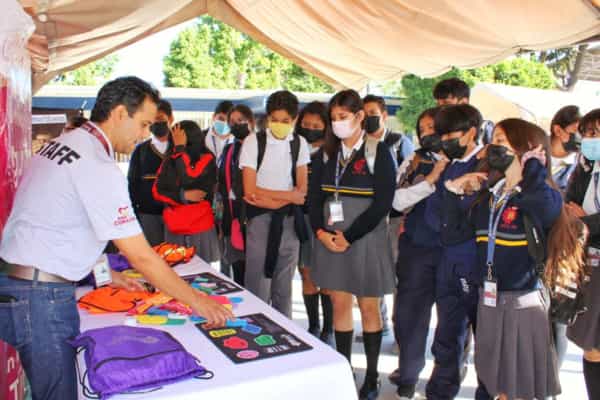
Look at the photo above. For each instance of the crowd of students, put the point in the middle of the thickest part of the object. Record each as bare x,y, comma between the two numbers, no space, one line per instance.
494,225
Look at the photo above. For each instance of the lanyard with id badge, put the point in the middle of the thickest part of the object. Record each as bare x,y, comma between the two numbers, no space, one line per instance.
336,208
490,285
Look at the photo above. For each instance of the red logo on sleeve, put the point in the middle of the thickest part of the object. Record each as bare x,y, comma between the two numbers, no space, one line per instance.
124,216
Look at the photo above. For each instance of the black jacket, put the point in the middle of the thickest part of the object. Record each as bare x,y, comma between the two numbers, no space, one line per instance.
578,185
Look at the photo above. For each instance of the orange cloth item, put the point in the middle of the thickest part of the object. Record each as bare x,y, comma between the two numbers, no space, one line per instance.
108,300
174,254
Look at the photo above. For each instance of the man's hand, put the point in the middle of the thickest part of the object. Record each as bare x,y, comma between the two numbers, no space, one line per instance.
123,282
216,315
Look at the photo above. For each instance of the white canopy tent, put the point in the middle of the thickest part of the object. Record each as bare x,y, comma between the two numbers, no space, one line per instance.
346,42
496,102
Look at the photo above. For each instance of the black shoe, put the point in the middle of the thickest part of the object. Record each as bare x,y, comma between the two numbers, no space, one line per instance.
394,377
370,389
327,337
405,392
315,331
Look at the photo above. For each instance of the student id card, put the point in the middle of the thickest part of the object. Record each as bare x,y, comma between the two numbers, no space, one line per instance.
490,293
102,273
336,212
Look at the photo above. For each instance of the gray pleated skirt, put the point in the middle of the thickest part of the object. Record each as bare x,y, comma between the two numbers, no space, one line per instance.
207,243
514,352
307,247
366,268
585,332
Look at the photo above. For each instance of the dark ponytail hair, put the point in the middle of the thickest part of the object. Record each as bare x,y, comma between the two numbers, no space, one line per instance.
348,99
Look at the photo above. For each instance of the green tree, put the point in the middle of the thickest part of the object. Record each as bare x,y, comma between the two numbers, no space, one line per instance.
417,92
214,55
91,74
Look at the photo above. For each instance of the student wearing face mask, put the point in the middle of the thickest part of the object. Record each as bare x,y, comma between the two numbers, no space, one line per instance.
185,184
219,134
583,200
456,293
420,248
566,143
401,147
241,121
275,178
514,353
312,123
143,165
349,204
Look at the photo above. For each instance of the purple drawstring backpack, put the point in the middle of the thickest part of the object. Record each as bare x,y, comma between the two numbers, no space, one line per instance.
125,359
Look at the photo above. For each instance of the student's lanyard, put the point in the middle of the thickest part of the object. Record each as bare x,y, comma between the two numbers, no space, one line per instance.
338,173
92,130
222,156
499,202
596,176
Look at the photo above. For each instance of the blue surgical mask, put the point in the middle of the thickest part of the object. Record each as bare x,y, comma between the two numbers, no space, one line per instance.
221,128
590,148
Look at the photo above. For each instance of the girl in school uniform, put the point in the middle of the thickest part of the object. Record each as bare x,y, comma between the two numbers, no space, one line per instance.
241,122
312,123
514,352
582,197
349,204
275,174
185,184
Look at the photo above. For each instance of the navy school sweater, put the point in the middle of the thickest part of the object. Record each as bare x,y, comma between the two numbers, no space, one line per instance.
356,181
513,267
143,166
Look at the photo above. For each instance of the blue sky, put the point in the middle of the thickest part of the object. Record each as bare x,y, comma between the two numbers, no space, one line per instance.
145,58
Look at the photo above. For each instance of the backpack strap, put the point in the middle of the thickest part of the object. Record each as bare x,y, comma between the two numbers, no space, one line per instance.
261,140
295,149
371,152
535,245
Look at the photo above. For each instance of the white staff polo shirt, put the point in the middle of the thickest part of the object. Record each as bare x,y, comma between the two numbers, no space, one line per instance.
276,167
71,201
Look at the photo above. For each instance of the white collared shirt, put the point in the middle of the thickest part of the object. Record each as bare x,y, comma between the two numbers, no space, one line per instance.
347,152
589,205
216,143
161,147
71,201
275,170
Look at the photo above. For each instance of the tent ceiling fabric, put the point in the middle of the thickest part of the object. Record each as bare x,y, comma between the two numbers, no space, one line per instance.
346,42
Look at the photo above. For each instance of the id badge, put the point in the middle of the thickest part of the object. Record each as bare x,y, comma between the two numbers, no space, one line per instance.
490,293
102,273
336,212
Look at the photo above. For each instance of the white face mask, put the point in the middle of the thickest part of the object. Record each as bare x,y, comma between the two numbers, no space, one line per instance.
343,129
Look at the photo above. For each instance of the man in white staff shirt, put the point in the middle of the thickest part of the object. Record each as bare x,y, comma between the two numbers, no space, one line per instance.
71,201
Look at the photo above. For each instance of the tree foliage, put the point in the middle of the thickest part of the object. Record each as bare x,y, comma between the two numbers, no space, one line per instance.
417,92
214,55
92,74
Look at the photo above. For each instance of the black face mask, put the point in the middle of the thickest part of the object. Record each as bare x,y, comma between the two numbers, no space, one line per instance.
311,135
431,143
498,158
574,143
160,129
372,123
240,131
453,149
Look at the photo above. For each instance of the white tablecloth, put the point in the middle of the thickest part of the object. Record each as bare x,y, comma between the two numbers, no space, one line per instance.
320,373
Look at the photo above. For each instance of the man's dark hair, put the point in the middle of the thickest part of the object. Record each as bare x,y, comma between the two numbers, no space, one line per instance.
283,100
129,91
165,107
454,118
451,87
371,98
223,107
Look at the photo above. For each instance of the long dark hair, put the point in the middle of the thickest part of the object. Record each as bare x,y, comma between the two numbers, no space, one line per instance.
564,117
349,99
195,146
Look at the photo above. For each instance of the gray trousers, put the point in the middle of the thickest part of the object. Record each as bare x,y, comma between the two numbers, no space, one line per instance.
153,227
276,291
